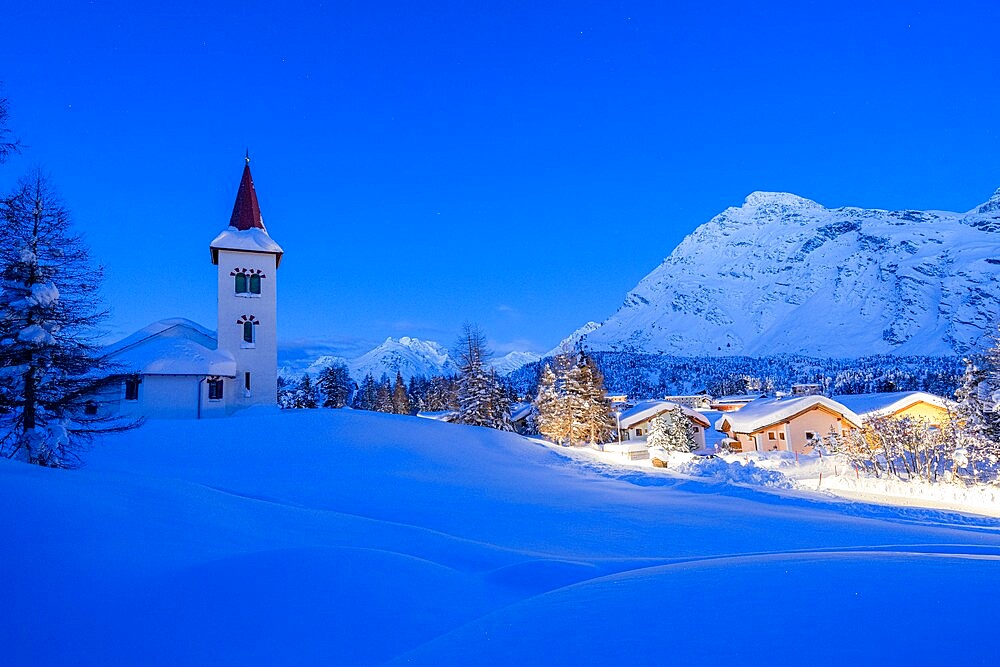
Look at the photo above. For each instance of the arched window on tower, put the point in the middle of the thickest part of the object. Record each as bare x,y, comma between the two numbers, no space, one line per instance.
248,332
255,283
241,283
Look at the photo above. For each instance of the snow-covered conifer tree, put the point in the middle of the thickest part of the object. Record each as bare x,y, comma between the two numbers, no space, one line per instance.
383,395
8,145
51,370
481,399
672,431
334,382
400,396
367,394
550,419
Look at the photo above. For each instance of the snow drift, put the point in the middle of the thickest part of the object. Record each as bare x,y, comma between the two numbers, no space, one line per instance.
340,537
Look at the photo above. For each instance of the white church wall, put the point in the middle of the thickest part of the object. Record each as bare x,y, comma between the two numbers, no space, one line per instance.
169,397
260,357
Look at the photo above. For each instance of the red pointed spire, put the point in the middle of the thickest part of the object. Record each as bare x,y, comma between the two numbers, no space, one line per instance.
246,211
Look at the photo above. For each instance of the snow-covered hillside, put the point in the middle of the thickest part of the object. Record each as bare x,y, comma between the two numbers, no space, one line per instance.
347,537
783,274
570,341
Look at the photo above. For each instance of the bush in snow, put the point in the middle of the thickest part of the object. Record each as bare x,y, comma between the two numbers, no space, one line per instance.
910,448
51,370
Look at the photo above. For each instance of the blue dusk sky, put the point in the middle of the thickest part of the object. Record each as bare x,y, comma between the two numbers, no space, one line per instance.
516,164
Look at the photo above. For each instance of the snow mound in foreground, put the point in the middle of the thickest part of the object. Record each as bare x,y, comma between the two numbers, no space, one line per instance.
735,472
342,537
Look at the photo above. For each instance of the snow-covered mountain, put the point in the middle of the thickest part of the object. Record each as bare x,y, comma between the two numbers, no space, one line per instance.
512,361
409,356
570,341
783,274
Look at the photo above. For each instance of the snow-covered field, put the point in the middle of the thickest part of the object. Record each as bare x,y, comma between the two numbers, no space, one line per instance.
339,537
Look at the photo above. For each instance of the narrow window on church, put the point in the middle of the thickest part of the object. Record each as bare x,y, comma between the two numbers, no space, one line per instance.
248,332
215,389
241,283
90,408
255,284
132,389
246,380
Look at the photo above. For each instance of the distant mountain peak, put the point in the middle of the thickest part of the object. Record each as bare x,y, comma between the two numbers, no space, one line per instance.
990,205
762,198
784,274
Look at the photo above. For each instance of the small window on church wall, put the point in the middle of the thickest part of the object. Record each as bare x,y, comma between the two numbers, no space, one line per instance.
255,284
132,389
241,283
215,390
246,380
248,332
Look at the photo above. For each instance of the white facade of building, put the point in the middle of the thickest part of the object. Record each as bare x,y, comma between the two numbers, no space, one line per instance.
178,369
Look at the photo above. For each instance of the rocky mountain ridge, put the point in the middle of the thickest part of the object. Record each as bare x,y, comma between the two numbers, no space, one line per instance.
784,274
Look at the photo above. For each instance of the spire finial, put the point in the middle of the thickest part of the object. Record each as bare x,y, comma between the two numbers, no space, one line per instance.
248,156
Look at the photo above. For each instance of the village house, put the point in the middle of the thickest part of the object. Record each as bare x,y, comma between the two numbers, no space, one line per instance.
634,423
734,402
176,368
693,401
792,423
916,405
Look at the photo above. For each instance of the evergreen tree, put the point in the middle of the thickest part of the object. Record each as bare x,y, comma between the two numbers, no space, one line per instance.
480,397
365,397
400,397
571,402
672,431
8,144
971,397
417,392
551,420
52,373
441,394
383,395
303,396
335,383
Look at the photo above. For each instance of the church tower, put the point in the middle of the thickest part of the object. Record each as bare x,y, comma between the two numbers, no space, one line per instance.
247,260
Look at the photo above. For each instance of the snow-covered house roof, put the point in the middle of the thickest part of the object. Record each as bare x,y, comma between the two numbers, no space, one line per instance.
867,406
765,412
246,231
440,415
520,411
735,399
644,410
175,346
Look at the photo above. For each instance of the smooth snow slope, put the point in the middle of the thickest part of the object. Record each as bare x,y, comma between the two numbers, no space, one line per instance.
340,537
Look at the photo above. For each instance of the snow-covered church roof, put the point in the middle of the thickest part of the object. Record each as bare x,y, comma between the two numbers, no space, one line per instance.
175,346
246,231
